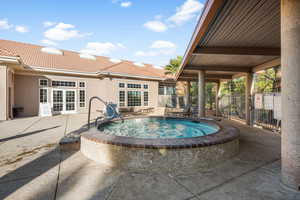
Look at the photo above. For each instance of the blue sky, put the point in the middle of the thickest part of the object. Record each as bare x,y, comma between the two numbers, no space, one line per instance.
149,31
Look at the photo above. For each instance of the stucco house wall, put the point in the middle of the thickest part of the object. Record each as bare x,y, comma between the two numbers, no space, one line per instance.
27,91
3,92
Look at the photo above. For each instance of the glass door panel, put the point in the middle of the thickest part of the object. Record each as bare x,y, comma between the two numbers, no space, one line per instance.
58,100
70,100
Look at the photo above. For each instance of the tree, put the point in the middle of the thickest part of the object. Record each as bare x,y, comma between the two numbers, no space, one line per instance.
236,86
210,95
268,80
173,65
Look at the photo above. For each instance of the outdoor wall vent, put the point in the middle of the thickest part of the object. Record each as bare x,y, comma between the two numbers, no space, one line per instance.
87,56
114,60
51,50
139,64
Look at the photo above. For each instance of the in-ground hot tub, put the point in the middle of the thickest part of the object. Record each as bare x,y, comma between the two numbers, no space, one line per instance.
160,143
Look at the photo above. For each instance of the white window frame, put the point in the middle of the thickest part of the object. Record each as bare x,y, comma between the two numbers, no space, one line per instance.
125,101
147,98
79,102
141,95
64,86
81,82
47,92
64,111
43,79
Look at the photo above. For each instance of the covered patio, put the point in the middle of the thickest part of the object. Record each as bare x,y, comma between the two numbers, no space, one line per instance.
239,38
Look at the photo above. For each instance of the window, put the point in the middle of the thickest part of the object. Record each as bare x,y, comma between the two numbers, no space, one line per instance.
43,83
81,98
145,86
134,98
170,90
82,84
43,95
146,98
64,83
161,90
121,98
121,85
137,86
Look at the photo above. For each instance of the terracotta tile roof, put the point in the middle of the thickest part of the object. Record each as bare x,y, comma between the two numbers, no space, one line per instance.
128,67
32,55
5,52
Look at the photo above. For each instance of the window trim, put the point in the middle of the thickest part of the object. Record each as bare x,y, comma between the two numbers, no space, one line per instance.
124,98
43,79
144,102
71,87
123,84
79,102
134,84
140,103
47,92
81,82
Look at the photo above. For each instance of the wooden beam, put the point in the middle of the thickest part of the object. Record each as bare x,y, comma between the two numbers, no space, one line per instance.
206,80
207,76
219,68
272,63
257,51
238,75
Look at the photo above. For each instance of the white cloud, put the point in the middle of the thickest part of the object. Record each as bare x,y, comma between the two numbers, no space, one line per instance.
162,48
63,31
162,44
4,24
98,48
126,4
146,53
185,12
161,52
48,42
156,26
21,29
158,17
121,45
49,23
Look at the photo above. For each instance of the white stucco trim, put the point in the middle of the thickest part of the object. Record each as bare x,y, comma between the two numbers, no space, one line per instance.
9,59
55,70
131,76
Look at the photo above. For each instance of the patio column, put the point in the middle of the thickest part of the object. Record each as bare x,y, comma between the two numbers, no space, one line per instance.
290,61
217,98
249,81
3,93
188,93
201,93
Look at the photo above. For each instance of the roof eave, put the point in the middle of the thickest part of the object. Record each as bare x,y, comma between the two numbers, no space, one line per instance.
130,75
208,14
10,59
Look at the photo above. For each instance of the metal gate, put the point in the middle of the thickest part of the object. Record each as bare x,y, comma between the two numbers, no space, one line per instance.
232,106
267,110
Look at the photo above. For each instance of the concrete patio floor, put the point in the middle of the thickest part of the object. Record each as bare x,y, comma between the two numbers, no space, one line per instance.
33,167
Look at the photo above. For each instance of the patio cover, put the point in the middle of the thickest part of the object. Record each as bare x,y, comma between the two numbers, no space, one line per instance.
233,37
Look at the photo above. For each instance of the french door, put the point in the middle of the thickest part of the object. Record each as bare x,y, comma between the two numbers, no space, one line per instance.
63,101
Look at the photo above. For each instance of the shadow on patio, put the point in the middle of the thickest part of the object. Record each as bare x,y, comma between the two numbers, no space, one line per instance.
27,134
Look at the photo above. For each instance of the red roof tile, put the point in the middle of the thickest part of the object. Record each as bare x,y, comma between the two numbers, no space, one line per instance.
32,55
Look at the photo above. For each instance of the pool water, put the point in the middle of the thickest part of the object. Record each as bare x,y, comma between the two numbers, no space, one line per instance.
158,128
